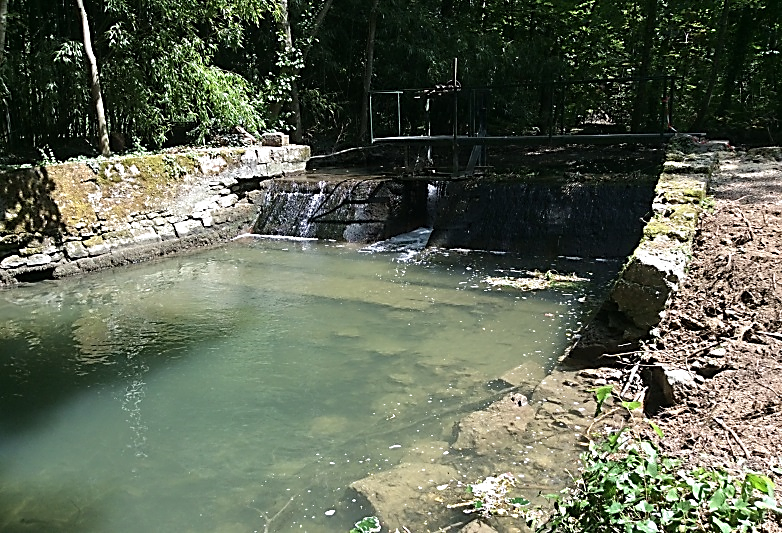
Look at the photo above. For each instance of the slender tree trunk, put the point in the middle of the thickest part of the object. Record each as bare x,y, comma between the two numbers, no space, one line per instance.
650,24
5,120
369,65
3,22
744,35
716,65
293,72
97,96
284,24
297,134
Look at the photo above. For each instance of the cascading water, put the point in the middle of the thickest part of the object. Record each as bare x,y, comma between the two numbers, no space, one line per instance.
352,209
315,202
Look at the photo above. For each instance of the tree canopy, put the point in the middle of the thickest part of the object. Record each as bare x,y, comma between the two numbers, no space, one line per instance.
180,71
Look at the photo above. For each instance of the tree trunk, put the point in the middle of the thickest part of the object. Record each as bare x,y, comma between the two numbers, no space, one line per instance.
292,72
716,64
650,24
744,35
369,63
3,22
97,96
284,23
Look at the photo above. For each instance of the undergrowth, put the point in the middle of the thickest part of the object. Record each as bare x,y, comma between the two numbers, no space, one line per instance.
627,486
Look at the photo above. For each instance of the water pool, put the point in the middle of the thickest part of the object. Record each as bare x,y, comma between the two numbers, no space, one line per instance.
244,388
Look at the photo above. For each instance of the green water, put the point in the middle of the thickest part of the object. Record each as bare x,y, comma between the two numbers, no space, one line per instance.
202,393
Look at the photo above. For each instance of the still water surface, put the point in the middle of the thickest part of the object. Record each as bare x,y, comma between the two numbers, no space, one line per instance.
202,393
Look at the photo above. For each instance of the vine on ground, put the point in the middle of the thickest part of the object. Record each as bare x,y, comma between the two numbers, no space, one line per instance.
627,486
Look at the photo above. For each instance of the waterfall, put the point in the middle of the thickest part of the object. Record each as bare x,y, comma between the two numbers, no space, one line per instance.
306,227
355,209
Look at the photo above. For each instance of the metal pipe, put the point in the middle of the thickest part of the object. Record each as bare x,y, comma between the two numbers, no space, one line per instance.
399,113
371,122
455,146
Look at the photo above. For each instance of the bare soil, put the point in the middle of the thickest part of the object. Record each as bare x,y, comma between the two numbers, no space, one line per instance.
724,326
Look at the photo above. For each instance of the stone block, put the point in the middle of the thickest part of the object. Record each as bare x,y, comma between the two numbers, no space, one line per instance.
273,168
13,261
210,165
275,138
294,166
296,153
65,270
256,197
228,201
188,227
98,249
254,156
166,232
75,250
208,203
145,236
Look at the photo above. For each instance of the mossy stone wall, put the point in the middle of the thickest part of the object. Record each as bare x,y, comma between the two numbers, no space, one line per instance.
62,219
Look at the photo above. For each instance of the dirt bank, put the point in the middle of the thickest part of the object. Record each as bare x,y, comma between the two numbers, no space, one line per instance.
724,326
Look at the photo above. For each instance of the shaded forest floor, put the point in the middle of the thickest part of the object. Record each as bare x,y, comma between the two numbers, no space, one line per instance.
725,327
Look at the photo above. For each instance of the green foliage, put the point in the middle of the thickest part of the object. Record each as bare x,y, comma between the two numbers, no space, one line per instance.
628,486
161,67
368,524
215,64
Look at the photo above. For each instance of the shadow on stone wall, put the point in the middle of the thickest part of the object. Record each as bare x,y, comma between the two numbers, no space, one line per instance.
28,205
30,220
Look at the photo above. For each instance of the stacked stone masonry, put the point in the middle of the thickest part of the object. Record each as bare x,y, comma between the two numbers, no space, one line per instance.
75,217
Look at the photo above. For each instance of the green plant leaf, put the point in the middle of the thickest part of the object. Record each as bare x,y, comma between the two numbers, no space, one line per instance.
657,429
601,394
649,449
631,406
760,482
644,506
647,526
519,501
717,500
368,524
768,503
723,527
697,490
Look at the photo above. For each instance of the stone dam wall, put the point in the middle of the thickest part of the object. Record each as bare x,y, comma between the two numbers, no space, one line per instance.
75,217
558,215
66,219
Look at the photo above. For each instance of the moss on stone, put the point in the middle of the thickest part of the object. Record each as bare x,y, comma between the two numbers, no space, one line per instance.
94,241
681,189
669,228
